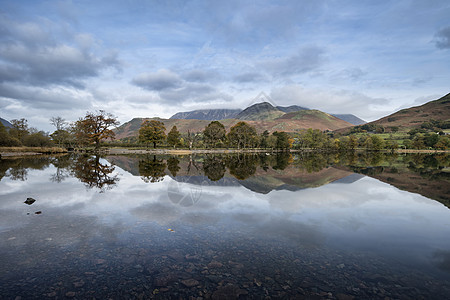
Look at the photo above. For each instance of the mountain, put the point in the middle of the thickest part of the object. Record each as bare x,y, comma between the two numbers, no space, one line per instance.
291,108
314,119
6,123
352,119
413,117
207,114
259,112
263,116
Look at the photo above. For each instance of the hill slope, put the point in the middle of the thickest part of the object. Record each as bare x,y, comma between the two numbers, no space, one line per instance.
207,114
5,123
352,119
414,117
259,112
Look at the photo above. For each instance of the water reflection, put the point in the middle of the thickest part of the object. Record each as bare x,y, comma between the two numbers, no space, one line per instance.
95,174
293,226
152,169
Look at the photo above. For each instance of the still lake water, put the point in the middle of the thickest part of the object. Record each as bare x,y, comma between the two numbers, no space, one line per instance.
297,226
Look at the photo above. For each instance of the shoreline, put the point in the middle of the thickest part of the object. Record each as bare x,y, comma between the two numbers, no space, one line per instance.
17,152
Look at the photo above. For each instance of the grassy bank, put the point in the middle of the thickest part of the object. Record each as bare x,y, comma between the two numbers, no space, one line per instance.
19,151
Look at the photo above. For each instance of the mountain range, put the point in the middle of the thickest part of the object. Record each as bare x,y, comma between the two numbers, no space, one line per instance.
268,111
263,116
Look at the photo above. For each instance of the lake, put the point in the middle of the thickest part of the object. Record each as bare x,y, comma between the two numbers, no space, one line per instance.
265,226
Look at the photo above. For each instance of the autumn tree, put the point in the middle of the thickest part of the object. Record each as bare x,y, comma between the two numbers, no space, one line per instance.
214,133
174,137
242,135
95,127
152,131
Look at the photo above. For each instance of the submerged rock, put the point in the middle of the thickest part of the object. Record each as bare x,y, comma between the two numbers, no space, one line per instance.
30,201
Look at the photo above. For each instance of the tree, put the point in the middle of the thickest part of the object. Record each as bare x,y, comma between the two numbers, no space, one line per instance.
174,137
95,127
263,141
60,135
6,139
282,140
242,135
152,131
20,129
37,139
214,133
58,122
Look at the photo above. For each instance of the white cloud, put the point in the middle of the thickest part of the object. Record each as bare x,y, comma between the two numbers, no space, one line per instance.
332,101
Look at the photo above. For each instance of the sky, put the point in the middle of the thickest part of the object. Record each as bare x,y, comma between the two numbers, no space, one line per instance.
136,58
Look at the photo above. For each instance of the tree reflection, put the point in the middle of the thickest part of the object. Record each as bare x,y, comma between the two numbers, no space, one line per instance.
17,168
282,160
152,170
62,165
89,170
242,166
312,162
173,165
214,167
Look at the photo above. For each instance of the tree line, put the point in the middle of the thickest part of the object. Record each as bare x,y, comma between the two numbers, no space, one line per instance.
95,128
240,136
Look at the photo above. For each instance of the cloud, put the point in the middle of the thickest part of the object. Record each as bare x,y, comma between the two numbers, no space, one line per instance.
443,38
305,60
248,77
30,54
198,75
56,98
161,80
195,92
173,88
333,101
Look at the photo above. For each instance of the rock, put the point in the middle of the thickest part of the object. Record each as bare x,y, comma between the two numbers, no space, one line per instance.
341,296
215,264
70,294
30,201
78,284
100,261
228,292
190,282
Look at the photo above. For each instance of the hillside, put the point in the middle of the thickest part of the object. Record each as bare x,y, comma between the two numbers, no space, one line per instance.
314,119
291,108
207,114
413,117
260,112
352,119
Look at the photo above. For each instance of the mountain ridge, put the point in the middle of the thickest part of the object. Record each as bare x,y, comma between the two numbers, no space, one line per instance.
222,114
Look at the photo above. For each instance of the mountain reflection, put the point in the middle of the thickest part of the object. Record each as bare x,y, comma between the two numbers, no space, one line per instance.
426,174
